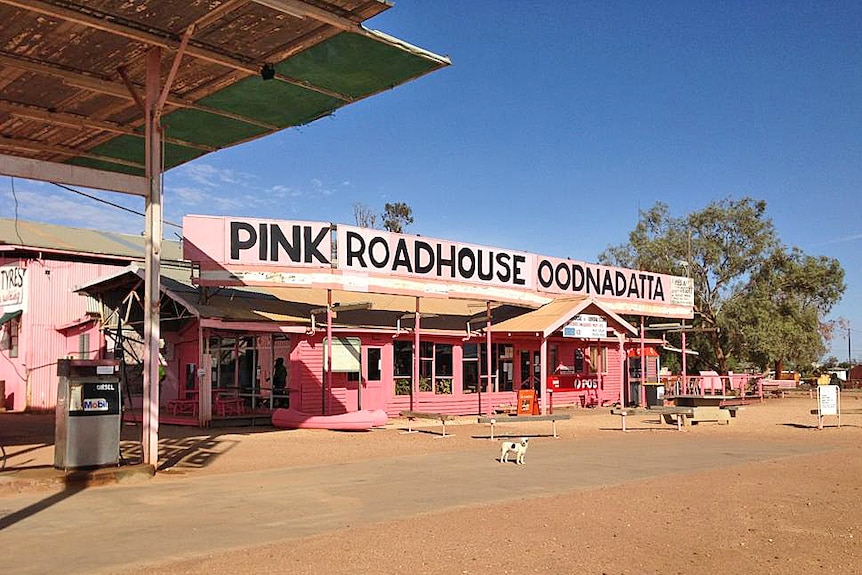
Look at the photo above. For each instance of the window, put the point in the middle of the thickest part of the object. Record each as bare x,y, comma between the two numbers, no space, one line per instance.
443,368
598,359
224,365
9,337
13,327
470,368
502,366
403,366
374,356
84,346
435,367
426,365
579,360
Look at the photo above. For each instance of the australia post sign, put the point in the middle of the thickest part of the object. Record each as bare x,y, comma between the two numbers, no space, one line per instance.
265,252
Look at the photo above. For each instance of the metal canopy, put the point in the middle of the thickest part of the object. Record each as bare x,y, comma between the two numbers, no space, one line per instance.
73,73
108,94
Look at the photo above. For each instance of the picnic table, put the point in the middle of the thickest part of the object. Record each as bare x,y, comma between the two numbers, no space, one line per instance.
702,408
695,409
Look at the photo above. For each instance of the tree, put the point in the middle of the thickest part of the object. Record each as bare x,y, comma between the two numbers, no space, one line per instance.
731,250
397,216
777,313
364,216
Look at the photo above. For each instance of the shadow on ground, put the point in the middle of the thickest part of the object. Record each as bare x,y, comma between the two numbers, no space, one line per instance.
28,439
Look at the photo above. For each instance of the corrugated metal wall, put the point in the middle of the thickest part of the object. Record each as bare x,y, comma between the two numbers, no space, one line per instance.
52,303
306,369
305,374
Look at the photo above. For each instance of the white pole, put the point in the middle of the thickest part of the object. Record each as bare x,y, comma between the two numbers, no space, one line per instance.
153,240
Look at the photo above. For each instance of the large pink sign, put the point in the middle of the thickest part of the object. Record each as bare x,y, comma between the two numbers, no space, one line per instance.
265,252
224,241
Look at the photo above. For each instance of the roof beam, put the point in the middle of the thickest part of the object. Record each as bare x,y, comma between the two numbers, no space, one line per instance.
217,13
299,9
162,40
44,171
103,85
31,146
84,123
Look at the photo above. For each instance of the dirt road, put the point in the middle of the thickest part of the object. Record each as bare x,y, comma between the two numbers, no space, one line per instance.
768,494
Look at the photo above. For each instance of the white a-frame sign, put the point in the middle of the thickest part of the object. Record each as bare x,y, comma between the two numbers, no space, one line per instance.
828,403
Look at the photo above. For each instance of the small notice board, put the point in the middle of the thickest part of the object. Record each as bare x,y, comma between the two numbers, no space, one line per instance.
527,404
828,403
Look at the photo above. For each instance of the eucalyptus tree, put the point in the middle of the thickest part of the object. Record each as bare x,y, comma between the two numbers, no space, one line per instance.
396,216
778,313
732,251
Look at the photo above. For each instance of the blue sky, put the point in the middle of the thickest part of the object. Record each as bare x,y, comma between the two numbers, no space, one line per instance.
559,120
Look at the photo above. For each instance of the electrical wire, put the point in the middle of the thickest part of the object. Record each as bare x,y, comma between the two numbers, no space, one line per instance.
112,204
15,198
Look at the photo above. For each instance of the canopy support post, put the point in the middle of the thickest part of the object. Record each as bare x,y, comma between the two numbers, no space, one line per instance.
152,264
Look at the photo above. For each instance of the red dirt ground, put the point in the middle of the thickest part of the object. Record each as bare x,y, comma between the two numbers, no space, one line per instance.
800,514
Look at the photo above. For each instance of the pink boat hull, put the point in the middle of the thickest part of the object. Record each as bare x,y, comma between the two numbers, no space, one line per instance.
353,421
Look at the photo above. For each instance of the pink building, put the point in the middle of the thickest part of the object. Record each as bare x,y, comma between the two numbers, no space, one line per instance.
43,319
397,343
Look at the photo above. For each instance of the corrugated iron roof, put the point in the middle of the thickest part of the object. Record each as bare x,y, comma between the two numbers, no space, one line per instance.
551,317
49,237
296,305
72,74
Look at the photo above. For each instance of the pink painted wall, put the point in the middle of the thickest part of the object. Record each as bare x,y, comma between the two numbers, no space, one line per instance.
306,374
31,378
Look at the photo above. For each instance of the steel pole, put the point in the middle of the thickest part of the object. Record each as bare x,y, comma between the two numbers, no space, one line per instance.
153,241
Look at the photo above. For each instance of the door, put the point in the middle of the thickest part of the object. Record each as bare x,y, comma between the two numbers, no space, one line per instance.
531,370
371,393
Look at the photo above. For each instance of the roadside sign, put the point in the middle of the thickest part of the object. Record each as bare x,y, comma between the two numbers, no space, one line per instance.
586,326
828,403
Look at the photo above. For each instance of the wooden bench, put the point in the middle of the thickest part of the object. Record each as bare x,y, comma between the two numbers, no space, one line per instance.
183,407
624,412
226,403
412,416
553,418
776,387
667,414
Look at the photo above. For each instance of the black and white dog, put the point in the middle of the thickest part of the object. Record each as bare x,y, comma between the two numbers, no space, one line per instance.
519,448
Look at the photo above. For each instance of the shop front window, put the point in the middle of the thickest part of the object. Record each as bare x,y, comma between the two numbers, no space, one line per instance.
403,366
435,368
579,360
443,368
9,337
223,353
502,366
470,368
599,359
234,362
